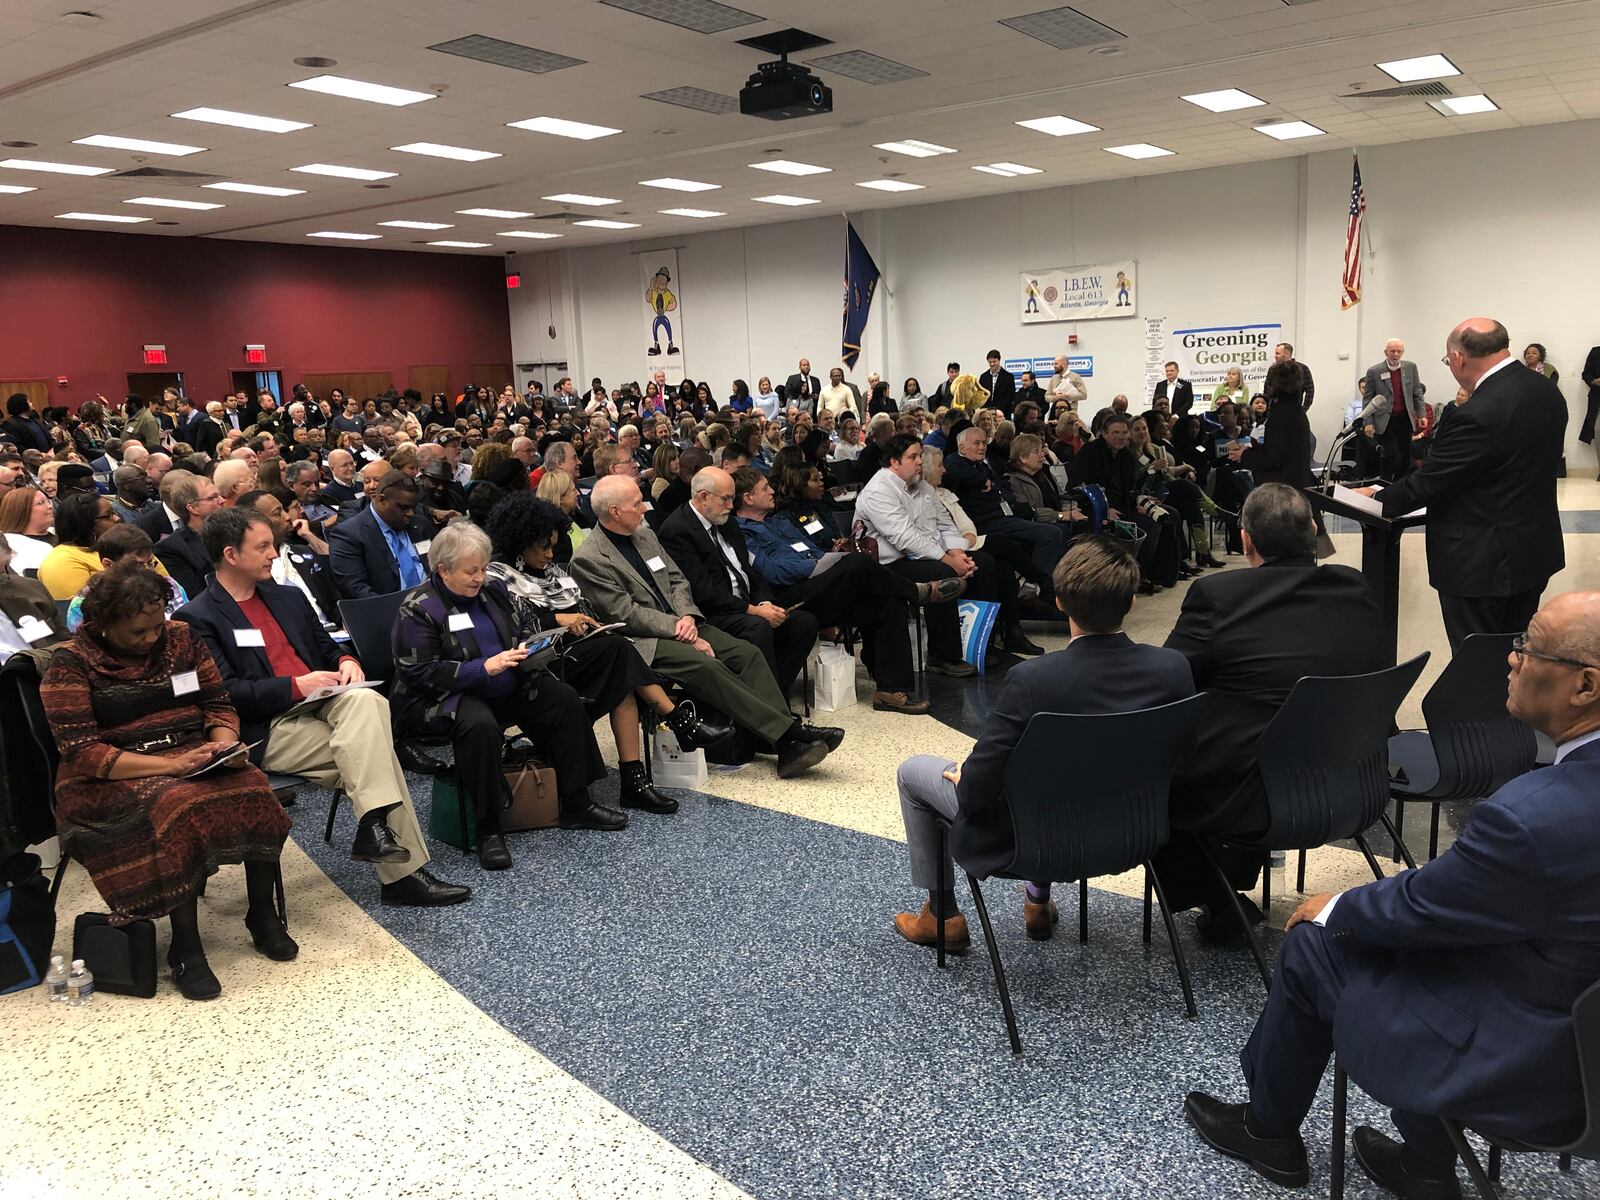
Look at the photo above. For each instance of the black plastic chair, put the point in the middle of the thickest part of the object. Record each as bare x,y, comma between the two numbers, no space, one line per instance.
1109,817
61,611
1471,747
1586,1027
1323,761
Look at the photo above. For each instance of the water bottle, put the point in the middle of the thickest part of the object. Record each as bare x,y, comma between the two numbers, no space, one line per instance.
55,979
1279,866
80,984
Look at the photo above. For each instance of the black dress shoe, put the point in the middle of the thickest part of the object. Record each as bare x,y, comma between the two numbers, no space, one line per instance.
1015,641
1222,928
492,853
1404,1172
1211,560
692,732
830,736
421,890
418,761
798,757
954,668
375,841
644,796
194,977
271,936
1222,1127
593,816
1146,588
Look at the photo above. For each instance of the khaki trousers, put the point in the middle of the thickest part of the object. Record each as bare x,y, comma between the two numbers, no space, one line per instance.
348,743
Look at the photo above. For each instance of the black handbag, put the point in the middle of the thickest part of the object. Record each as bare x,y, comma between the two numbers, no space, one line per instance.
121,957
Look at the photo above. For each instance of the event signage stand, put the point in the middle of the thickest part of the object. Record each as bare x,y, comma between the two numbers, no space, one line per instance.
1380,555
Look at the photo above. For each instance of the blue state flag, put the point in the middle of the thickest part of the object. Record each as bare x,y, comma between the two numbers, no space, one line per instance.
860,282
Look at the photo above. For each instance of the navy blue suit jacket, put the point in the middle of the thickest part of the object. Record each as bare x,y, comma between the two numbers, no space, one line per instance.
1096,673
1461,975
363,564
257,693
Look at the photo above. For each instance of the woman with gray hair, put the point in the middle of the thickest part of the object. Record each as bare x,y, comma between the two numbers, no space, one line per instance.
462,671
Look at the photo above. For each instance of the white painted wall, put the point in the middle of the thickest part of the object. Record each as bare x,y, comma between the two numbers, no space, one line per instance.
1499,223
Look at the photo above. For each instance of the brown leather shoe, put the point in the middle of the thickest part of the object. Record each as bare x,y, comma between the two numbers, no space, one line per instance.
900,702
921,929
1040,920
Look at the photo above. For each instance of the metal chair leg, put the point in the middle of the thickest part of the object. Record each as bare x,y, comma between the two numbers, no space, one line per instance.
1300,876
1150,877
1399,824
994,961
1481,1181
278,896
1083,912
1565,1163
1266,886
1341,1097
1401,849
805,687
333,811
61,873
1372,859
1494,1163
1233,898
464,815
939,894
1433,833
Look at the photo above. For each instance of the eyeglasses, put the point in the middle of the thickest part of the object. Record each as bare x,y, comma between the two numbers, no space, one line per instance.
1520,647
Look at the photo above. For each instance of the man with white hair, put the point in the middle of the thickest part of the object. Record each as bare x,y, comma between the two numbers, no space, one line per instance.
629,578
523,450
342,487
233,479
156,467
1065,387
558,456
134,454
628,445
1394,410
209,431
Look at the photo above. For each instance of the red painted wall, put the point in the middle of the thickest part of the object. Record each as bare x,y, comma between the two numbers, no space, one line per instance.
84,303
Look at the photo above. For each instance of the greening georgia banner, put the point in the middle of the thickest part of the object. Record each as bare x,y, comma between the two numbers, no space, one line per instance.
1079,293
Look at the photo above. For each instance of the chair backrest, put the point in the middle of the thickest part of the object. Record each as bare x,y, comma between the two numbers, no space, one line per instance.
61,610
370,623
31,755
1324,758
1478,744
1586,1027
1107,815
842,471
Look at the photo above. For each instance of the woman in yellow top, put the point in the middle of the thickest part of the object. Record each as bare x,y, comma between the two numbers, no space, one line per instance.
1231,389
80,520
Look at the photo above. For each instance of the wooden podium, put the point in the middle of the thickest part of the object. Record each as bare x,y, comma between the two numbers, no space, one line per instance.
1380,558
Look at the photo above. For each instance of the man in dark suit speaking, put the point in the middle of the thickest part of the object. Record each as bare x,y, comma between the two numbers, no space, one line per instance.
1101,671
1448,991
1489,485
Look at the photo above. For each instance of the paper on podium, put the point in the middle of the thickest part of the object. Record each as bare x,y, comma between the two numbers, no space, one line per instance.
1366,503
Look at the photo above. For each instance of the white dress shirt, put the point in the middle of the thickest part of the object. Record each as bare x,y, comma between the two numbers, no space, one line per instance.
909,522
737,579
1069,387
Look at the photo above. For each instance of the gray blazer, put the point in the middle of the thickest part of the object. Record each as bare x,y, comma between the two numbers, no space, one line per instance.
1376,389
617,593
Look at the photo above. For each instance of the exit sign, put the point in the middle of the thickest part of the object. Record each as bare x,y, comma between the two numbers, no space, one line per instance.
155,356
513,281
255,354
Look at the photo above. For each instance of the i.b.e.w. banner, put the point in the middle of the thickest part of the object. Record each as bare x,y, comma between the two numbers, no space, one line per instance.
1079,293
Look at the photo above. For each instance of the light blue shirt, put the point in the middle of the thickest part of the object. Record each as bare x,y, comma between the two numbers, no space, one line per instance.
405,554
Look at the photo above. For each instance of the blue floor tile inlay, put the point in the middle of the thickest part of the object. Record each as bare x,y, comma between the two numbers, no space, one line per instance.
730,977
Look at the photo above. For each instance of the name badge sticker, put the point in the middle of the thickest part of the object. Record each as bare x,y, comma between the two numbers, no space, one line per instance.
249,637
800,547
655,564
460,622
813,526
422,547
185,682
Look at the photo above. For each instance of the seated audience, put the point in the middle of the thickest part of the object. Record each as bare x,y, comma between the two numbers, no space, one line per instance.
460,646
1249,636
131,492
559,489
302,561
136,703
1109,463
374,553
1447,991
26,518
342,486
1100,671
162,518
124,541
628,578
870,458
663,470
80,520
182,553
676,494
984,497
29,619
273,653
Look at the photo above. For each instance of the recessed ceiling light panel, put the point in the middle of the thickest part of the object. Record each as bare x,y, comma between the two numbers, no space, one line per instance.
112,218
255,189
339,172
1286,131
1428,66
1227,100
698,213
914,148
596,223
496,52
680,185
346,237
428,225
435,150
580,130
502,214
53,168
463,245
784,167
108,141
1461,106
239,120
786,201
167,202
1008,169
891,185
532,234
356,89
1058,126
581,199
1139,150
14,189
701,16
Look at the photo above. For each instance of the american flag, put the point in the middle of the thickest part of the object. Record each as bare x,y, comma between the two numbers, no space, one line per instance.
1351,292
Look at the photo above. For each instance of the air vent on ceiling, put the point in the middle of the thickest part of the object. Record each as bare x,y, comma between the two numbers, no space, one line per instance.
162,173
702,16
867,67
1297,3
696,98
1433,90
1064,28
482,48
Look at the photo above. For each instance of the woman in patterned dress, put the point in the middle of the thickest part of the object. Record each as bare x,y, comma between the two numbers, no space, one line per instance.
136,703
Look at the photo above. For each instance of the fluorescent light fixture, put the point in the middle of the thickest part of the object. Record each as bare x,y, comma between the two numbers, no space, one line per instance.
891,185
1227,100
429,225
164,202
356,89
784,167
55,168
1461,106
580,198
1286,131
107,142
787,201
561,128
1008,169
435,150
700,213
1058,126
680,185
463,245
1410,70
239,120
255,189
13,189
914,148
346,237
501,214
114,218
599,224
532,234
339,172
1139,150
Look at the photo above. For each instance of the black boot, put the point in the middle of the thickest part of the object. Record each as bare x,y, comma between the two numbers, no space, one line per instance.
584,813
375,841
639,792
692,732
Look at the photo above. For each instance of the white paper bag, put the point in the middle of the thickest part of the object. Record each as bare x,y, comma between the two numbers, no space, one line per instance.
833,674
675,768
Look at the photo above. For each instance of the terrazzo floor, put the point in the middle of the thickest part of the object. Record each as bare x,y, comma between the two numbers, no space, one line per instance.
707,1005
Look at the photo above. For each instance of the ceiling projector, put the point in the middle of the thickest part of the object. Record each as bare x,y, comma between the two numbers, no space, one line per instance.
781,91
